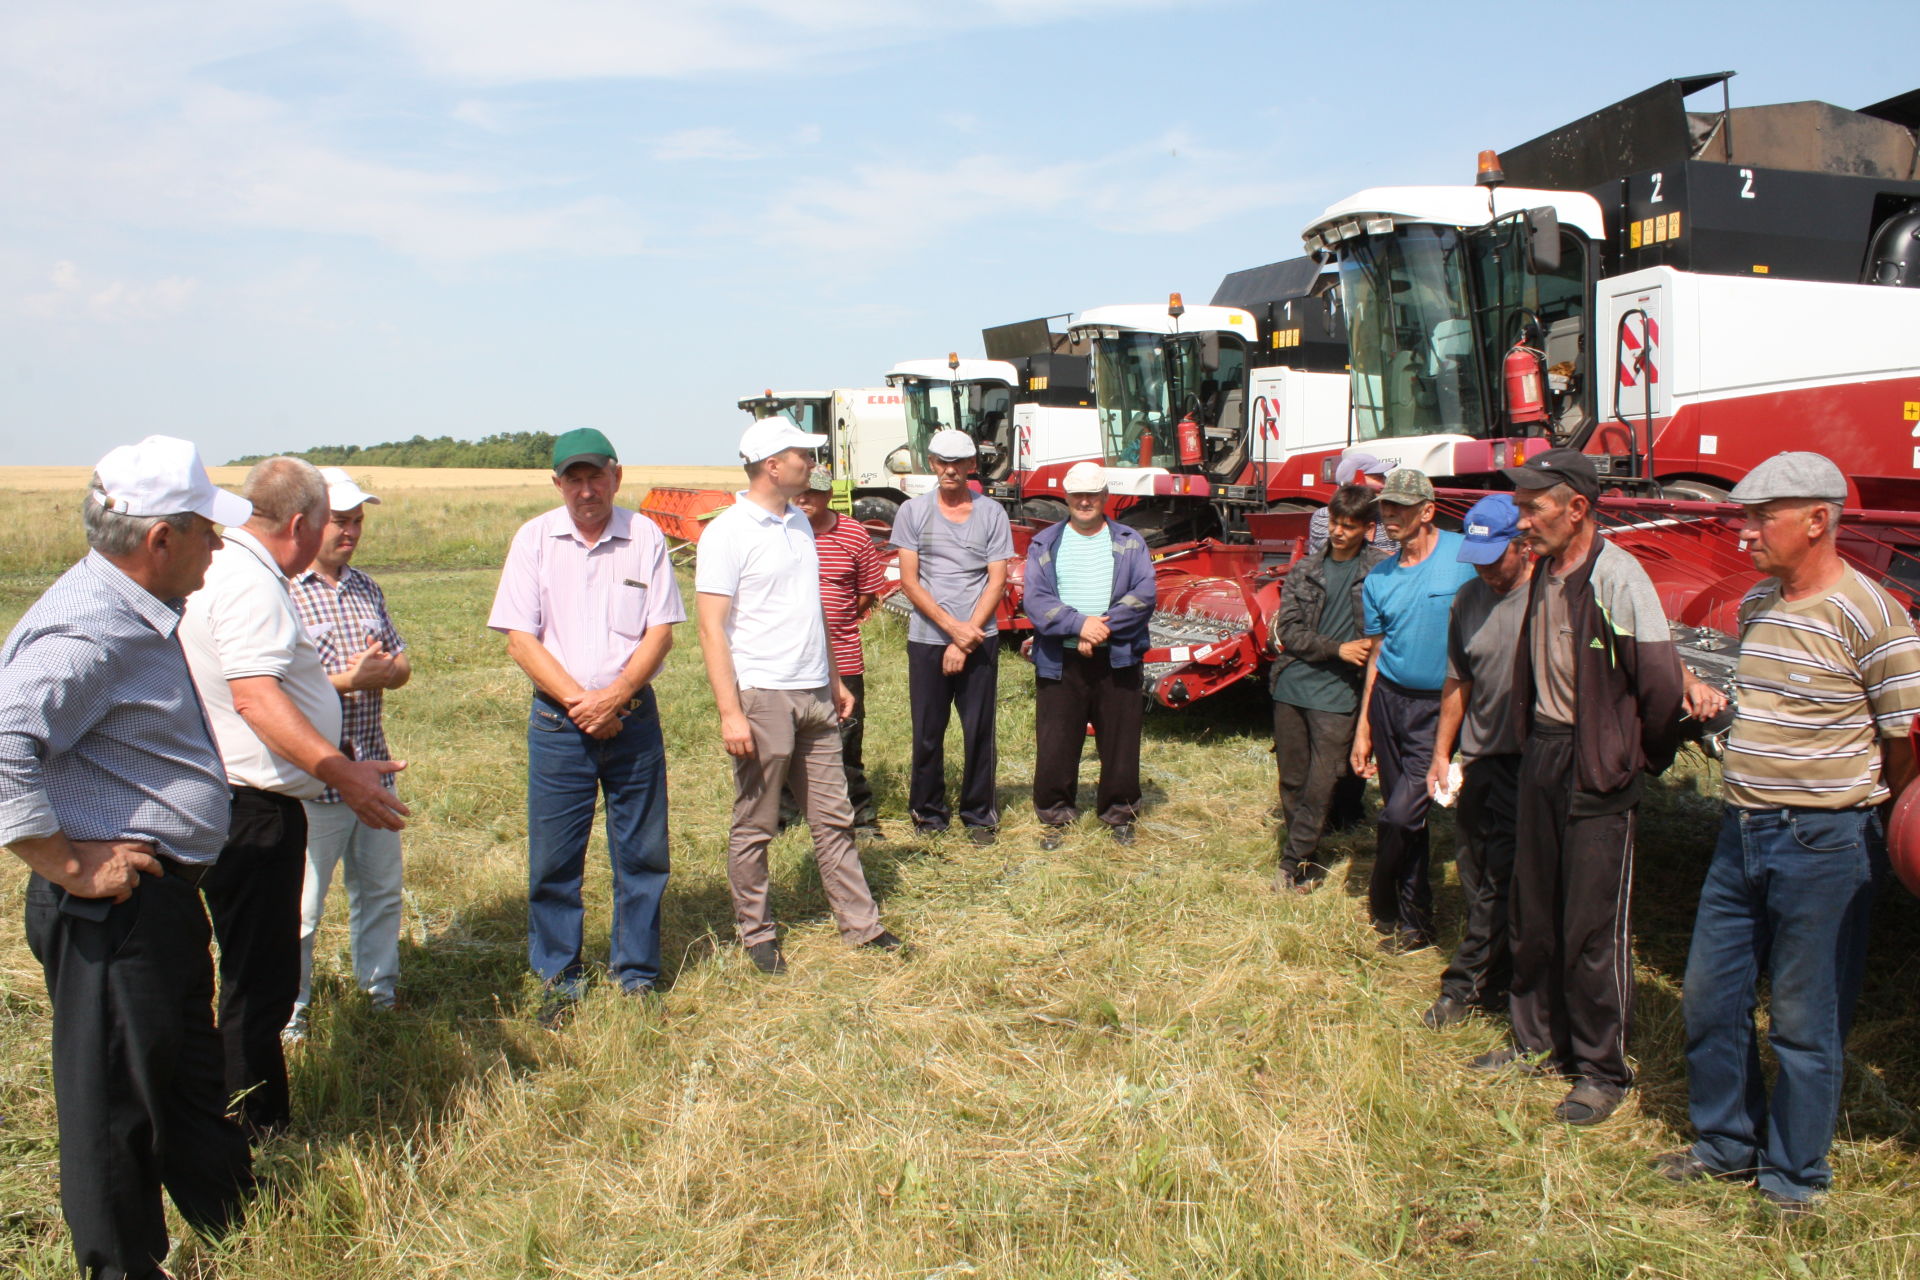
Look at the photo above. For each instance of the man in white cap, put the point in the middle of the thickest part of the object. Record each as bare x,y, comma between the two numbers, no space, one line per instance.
764,636
954,547
112,791
1090,593
277,719
1828,684
345,613
588,602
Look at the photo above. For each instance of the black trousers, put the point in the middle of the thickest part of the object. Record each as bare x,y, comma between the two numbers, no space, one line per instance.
1403,722
1312,748
853,736
1572,994
253,895
1089,691
934,696
1482,965
137,1079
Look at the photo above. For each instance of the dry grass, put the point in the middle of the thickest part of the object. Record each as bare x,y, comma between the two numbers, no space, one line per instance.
1102,1062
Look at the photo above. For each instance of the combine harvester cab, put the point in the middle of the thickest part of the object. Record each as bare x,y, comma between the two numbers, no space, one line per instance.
862,424
1214,414
1054,422
1680,295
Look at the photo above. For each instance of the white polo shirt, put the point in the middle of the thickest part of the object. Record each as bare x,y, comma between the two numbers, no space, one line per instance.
242,623
769,565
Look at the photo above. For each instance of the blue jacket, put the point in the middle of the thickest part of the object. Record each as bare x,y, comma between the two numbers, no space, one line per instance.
1055,625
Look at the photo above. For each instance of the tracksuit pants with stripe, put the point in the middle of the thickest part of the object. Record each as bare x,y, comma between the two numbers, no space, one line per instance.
1572,990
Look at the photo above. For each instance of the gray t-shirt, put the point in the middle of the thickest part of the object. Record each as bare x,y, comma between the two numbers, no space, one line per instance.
1553,691
954,556
1483,638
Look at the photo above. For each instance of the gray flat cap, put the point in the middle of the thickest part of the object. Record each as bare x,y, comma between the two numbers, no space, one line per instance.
1792,475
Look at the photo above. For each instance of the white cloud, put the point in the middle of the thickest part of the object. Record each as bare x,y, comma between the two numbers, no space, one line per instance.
70,294
874,214
710,143
482,114
510,41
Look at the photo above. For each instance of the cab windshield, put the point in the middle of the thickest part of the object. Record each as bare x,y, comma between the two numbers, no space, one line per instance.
804,414
1410,332
981,409
1147,382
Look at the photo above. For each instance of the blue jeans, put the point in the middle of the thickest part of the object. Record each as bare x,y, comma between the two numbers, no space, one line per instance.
1788,894
565,770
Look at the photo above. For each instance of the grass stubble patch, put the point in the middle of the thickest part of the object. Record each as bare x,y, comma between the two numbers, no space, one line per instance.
1101,1062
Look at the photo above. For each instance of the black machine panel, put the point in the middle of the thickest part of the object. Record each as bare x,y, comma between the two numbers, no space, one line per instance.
1791,189
1297,303
1055,380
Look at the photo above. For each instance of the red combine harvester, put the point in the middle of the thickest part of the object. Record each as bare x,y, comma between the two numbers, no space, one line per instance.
1678,294
1213,414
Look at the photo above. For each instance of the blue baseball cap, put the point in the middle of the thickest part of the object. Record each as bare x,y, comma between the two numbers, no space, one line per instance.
1491,524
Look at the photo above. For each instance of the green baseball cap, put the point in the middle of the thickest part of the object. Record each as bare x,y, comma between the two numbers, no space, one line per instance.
582,444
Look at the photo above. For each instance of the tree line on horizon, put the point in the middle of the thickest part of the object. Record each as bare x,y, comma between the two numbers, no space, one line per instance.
506,449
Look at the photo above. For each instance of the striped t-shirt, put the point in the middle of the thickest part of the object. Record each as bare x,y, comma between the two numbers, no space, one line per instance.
1821,682
1083,570
849,569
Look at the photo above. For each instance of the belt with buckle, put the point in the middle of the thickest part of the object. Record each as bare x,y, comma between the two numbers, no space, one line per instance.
192,873
632,705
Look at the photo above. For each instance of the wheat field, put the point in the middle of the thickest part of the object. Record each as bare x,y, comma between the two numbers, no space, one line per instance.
1099,1062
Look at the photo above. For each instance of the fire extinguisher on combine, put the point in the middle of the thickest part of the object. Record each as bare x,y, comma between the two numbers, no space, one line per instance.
1525,373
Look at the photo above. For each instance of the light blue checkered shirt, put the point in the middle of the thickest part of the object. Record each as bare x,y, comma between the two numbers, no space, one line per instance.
102,735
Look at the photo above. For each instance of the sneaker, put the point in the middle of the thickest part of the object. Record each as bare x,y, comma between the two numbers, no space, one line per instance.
982,836
1445,1012
885,941
557,1009
766,956
1684,1166
1589,1102
1122,833
1052,837
295,1032
1786,1206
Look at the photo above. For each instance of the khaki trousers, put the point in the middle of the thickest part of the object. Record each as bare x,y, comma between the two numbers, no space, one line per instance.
796,743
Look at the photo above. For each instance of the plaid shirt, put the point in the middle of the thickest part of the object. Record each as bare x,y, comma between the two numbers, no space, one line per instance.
341,620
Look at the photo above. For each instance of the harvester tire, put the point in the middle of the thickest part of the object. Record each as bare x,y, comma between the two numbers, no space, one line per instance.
1049,509
872,510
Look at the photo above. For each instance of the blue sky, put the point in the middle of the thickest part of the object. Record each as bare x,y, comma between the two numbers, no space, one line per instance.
270,224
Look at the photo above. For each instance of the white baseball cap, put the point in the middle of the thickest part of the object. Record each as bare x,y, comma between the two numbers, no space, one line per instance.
342,493
768,436
1084,477
951,445
162,476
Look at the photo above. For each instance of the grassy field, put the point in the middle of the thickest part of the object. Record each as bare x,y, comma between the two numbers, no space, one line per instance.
1100,1062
